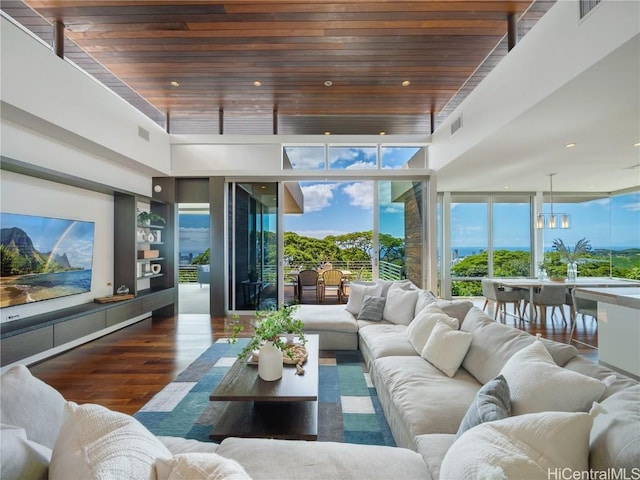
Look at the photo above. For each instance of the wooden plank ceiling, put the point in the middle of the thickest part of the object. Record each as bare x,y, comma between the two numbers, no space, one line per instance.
216,50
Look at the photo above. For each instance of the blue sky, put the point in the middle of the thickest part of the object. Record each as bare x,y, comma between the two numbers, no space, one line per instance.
60,236
333,208
604,222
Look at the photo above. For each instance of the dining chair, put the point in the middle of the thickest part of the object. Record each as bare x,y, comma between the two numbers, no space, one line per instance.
582,306
332,282
500,296
550,296
308,282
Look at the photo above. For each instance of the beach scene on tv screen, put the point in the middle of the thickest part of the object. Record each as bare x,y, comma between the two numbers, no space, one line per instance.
43,258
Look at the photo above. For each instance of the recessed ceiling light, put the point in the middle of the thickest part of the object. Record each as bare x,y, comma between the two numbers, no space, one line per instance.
636,144
257,83
570,145
327,132
406,83
506,187
175,83
328,83
383,132
263,187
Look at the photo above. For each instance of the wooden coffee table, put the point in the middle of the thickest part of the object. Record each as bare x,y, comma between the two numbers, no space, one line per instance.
285,408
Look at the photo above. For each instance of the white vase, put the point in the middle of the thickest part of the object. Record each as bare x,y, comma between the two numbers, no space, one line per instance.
270,362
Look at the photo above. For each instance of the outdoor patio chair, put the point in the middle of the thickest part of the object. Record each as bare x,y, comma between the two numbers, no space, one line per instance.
308,282
332,282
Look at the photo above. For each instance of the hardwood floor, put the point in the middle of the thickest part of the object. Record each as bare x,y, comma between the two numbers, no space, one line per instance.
123,370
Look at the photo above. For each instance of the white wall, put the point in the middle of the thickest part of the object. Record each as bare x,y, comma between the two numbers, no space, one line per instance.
75,103
556,50
35,148
31,196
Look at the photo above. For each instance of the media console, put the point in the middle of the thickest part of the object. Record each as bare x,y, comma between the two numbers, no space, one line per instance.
22,338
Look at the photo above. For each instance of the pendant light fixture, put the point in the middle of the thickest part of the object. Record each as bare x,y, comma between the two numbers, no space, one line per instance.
552,220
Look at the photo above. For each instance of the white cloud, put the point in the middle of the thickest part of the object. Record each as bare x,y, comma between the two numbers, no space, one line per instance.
361,165
320,234
307,158
632,207
317,196
360,194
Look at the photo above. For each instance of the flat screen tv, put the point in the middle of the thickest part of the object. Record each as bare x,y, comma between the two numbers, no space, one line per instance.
43,258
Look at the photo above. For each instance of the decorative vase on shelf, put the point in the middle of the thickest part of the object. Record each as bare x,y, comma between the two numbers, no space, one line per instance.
270,362
155,268
122,290
150,237
572,271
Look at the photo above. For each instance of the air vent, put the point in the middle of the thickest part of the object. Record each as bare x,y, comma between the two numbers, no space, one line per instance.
142,133
586,6
456,125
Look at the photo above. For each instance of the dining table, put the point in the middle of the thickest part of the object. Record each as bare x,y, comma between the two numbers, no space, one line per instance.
532,283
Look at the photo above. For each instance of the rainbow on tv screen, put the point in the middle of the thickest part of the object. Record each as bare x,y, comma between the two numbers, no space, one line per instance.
43,258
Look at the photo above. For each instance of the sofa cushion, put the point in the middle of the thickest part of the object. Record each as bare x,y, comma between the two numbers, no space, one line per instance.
492,402
420,328
30,403
446,347
400,305
615,435
414,394
199,466
537,384
372,308
357,291
615,382
22,458
494,343
178,445
385,285
425,297
455,308
528,446
95,442
385,340
326,317
433,447
274,459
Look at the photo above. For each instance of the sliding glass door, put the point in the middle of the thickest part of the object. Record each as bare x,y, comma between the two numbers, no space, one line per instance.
253,245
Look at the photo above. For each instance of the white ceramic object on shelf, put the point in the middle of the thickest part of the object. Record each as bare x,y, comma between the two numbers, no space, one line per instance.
155,268
142,236
150,237
270,362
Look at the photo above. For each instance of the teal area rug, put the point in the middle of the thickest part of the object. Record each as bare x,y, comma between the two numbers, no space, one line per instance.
348,407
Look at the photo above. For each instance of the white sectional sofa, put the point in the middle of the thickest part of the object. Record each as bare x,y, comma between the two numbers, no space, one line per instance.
465,397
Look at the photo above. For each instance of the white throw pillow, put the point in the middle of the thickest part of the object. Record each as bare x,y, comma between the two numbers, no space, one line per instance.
446,347
95,442
22,458
357,291
537,384
421,327
530,446
199,466
30,403
400,305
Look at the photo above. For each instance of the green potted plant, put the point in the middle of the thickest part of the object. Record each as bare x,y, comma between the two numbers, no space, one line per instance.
145,218
268,332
